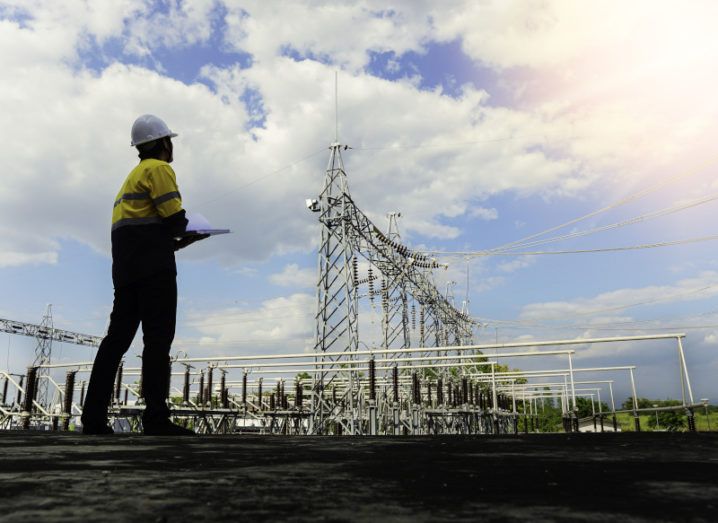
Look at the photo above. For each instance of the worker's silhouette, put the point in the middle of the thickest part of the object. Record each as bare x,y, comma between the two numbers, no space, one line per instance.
147,219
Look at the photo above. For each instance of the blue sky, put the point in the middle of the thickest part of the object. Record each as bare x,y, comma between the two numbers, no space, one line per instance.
481,123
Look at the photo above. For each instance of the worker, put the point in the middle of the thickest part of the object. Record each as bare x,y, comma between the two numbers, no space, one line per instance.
147,227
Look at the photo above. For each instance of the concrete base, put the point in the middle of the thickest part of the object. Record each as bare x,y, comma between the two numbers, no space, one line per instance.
538,477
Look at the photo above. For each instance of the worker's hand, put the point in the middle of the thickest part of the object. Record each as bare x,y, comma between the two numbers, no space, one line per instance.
189,240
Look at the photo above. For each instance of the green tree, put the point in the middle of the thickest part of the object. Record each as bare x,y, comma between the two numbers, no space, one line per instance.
585,409
669,420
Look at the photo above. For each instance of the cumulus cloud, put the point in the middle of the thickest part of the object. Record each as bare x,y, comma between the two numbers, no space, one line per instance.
484,213
514,265
431,156
293,276
184,24
340,33
218,164
702,286
284,324
20,249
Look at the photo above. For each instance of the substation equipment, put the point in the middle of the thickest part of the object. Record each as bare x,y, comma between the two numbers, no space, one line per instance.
424,376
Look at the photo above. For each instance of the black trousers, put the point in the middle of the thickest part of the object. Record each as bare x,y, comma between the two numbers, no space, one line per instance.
153,303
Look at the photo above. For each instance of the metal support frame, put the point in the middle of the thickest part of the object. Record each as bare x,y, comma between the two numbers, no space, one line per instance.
346,235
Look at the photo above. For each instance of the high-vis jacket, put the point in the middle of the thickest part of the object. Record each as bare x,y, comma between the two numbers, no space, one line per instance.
146,218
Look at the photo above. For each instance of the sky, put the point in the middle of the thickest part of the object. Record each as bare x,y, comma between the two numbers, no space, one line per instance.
483,123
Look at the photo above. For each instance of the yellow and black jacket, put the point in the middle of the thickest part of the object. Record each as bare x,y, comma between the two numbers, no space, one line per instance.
146,218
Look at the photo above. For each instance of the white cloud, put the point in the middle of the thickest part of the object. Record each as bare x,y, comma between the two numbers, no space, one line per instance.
185,23
487,284
21,249
516,264
438,153
245,271
342,33
283,324
702,286
293,276
484,213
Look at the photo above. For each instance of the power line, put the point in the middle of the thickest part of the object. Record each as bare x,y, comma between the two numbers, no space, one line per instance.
533,323
599,327
438,146
259,178
628,199
477,254
636,219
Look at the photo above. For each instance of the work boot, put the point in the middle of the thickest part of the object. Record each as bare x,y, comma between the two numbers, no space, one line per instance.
165,428
96,429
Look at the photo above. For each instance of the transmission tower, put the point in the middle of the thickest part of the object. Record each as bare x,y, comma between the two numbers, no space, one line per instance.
43,355
337,321
395,303
404,278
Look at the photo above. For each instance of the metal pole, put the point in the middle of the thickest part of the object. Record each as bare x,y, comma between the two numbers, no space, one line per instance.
636,419
4,390
69,390
169,382
223,388
208,398
685,369
573,386
593,413
259,394
681,376
493,386
118,383
200,398
574,410
185,388
29,396
244,391
513,403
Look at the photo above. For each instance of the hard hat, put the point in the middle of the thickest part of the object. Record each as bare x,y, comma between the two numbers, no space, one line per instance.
148,128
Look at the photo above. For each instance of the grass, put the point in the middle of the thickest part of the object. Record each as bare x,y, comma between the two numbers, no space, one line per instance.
625,421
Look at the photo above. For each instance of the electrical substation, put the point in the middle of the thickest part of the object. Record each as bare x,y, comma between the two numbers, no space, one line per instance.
411,421
425,377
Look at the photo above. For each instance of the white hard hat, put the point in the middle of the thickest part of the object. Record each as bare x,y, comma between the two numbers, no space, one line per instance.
148,128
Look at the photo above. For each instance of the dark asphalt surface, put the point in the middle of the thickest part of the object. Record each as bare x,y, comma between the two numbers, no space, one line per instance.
542,477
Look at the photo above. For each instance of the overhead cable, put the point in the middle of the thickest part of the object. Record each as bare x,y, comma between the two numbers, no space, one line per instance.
438,145
623,201
261,177
477,254
636,219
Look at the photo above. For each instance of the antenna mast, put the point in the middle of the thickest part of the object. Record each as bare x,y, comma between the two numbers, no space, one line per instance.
336,106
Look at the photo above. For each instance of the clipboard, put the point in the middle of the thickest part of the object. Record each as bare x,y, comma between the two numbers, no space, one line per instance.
203,232
199,225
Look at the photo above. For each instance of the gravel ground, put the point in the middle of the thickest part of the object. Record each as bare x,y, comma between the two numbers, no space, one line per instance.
539,477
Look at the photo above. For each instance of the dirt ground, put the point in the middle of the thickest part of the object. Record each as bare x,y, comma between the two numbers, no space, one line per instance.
550,477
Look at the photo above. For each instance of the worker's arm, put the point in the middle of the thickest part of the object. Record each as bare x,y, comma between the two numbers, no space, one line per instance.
189,240
167,199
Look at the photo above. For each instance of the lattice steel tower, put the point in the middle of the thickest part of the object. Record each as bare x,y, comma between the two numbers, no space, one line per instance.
337,321
405,275
43,355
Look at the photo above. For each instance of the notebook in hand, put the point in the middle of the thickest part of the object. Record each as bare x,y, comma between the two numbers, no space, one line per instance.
199,225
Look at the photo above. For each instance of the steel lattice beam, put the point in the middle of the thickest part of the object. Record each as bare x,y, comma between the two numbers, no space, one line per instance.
42,332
